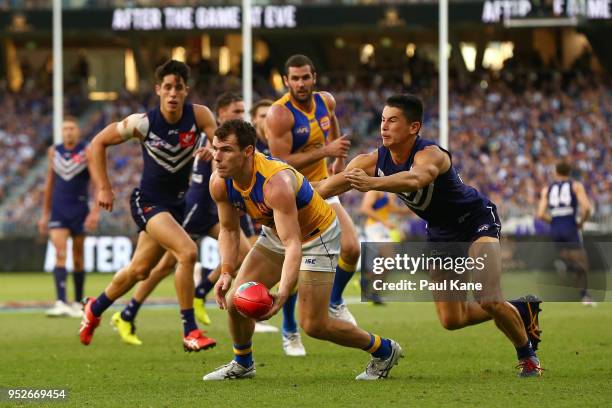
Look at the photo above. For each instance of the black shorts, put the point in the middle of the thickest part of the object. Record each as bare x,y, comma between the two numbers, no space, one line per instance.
199,220
567,237
482,222
143,209
71,218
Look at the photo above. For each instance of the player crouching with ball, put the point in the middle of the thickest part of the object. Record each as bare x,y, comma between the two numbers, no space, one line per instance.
299,246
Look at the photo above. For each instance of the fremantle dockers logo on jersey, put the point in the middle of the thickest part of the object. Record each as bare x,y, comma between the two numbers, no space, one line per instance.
68,165
172,157
417,200
187,139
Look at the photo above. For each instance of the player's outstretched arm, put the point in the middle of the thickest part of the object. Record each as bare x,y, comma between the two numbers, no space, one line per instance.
279,122
279,195
428,164
91,222
229,238
339,183
43,223
541,213
586,209
134,126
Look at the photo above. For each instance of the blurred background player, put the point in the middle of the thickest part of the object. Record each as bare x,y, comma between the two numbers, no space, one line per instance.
303,130
259,112
408,166
301,238
565,205
169,136
66,213
378,206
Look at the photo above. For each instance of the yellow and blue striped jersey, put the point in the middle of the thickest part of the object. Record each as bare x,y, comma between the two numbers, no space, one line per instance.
310,130
314,214
382,207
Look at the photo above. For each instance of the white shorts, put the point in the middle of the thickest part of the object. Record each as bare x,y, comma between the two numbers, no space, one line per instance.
319,254
333,200
377,232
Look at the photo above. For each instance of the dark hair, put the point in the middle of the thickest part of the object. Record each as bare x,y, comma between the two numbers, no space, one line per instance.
410,105
225,99
259,104
298,60
172,67
563,168
243,130
70,118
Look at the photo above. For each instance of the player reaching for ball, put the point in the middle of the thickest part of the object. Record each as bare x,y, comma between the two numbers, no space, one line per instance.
300,238
422,175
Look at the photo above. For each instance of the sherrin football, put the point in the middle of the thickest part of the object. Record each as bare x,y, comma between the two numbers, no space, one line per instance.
253,300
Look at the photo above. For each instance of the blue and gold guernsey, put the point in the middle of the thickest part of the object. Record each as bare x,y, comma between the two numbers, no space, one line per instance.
167,151
454,211
382,208
310,131
563,207
314,214
70,188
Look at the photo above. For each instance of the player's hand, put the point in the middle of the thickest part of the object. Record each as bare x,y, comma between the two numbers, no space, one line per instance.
203,153
91,222
360,180
221,288
279,300
338,165
43,225
339,147
105,199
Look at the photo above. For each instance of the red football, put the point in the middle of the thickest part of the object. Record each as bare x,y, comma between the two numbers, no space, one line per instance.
253,300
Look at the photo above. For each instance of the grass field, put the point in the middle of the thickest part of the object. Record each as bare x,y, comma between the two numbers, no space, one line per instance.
474,366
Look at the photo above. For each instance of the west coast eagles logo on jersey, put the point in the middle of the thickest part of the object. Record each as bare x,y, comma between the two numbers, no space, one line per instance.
325,123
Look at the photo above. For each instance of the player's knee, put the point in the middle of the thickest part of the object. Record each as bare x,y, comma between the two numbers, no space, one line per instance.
187,254
60,255
451,322
350,251
139,271
314,328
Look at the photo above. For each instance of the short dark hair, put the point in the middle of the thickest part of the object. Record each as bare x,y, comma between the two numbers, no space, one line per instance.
298,60
563,168
226,99
259,104
70,118
410,105
172,67
243,130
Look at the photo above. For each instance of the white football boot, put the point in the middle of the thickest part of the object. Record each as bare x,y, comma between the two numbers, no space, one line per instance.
292,345
341,312
59,309
378,368
231,371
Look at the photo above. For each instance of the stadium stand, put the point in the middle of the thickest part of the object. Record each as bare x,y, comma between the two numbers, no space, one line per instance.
507,129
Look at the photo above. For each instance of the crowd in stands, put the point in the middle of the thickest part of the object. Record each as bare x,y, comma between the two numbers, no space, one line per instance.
507,130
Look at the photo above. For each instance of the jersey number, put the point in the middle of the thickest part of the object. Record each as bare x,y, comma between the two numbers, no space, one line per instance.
560,196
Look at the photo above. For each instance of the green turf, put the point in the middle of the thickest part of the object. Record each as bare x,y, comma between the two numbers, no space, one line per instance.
471,367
